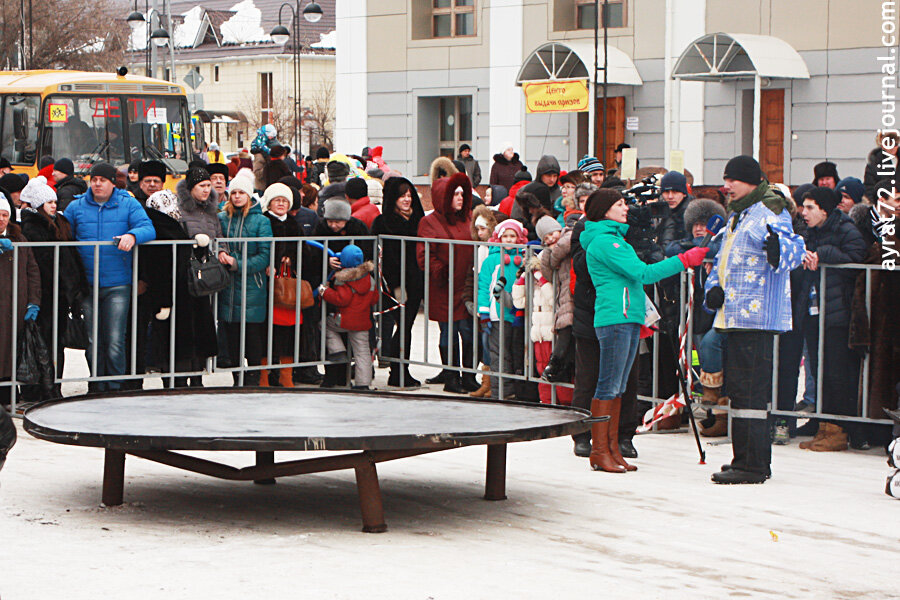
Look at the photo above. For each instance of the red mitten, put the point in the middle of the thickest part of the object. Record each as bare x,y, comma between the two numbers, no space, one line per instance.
693,257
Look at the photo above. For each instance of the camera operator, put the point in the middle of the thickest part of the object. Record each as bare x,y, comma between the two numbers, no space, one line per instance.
749,289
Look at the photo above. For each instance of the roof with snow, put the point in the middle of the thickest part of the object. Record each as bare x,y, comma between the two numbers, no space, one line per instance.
242,27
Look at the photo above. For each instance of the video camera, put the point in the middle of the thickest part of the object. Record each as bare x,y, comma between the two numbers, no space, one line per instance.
641,211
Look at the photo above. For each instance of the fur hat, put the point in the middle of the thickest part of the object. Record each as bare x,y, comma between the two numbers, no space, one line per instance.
700,210
36,192
243,181
337,209
64,165
546,225
220,168
744,168
825,169
276,190
337,171
442,167
152,168
351,256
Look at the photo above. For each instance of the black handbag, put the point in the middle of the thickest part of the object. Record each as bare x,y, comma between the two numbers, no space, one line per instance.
77,330
206,275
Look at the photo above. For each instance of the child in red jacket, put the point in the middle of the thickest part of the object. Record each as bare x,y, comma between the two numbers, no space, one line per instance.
353,292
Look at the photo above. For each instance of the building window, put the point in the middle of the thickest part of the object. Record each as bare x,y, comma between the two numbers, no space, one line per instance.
585,17
266,98
452,18
455,124
216,74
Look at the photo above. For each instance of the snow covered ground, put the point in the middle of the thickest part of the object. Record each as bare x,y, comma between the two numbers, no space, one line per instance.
821,528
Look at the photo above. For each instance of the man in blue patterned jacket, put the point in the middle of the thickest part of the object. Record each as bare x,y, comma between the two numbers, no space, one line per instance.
749,289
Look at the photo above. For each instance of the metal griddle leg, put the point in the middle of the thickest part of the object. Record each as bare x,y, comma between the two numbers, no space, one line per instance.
113,477
370,497
495,478
265,459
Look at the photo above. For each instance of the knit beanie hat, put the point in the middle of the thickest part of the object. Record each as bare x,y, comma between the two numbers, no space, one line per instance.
674,181
351,256
851,186
599,203
132,168
522,175
510,224
825,197
545,225
744,168
36,192
337,171
465,147
825,169
322,152
276,190
64,165
244,181
356,188
270,131
195,176
376,190
152,168
220,168
337,209
105,170
800,192
589,164
4,204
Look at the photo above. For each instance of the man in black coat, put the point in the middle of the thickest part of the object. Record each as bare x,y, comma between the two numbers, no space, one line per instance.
7,435
67,185
151,177
832,238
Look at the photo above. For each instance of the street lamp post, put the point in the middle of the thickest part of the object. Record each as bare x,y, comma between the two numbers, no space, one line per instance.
280,35
159,37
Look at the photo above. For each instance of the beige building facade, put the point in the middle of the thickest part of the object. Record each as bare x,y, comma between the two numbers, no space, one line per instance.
794,82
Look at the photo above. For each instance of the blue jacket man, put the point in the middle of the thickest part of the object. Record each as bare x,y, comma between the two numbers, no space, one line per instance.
107,214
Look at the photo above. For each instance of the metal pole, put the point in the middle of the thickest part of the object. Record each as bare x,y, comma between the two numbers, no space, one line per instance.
592,115
757,85
605,74
297,104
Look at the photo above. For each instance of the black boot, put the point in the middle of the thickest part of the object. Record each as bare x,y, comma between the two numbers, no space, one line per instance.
453,385
582,444
738,476
554,369
627,449
467,380
444,375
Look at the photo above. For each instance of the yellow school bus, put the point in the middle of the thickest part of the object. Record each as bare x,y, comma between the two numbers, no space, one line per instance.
93,117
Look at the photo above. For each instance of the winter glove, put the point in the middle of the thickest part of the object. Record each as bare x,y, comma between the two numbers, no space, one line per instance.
320,290
201,240
5,244
693,257
772,248
470,307
31,312
163,314
715,298
498,288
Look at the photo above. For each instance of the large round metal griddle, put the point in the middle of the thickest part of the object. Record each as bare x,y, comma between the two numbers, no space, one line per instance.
382,426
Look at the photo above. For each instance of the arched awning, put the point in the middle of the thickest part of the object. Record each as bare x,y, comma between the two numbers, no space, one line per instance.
220,116
574,60
718,56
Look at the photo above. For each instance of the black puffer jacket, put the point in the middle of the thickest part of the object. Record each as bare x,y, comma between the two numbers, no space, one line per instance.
671,228
585,294
67,189
836,241
877,163
391,223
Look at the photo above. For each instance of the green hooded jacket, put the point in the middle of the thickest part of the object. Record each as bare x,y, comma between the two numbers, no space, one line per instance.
618,274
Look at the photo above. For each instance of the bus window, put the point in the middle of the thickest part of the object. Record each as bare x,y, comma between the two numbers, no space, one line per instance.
18,139
87,129
156,130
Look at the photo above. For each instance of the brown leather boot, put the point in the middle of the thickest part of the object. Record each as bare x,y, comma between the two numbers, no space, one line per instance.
614,436
720,427
286,375
601,459
835,440
485,390
712,387
824,429
264,374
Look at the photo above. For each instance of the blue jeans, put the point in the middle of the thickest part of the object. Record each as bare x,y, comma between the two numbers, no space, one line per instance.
618,347
810,389
486,344
462,329
710,351
112,325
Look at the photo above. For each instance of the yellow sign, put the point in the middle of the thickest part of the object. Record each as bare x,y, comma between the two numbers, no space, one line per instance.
59,113
556,96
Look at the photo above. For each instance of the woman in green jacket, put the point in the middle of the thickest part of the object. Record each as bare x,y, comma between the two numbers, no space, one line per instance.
243,218
619,277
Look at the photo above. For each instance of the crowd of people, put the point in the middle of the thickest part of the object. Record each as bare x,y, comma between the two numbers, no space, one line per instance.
540,278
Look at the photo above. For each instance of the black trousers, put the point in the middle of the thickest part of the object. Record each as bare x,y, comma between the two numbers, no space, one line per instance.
840,376
790,351
392,330
748,381
587,370
254,336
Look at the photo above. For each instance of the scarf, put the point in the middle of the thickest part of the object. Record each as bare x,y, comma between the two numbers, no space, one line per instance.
763,193
406,214
165,202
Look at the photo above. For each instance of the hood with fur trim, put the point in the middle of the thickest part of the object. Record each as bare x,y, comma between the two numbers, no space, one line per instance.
442,167
187,203
442,197
352,274
502,159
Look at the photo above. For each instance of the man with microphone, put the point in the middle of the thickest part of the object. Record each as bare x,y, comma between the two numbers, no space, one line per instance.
749,290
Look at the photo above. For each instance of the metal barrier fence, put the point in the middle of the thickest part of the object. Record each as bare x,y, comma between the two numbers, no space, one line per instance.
430,245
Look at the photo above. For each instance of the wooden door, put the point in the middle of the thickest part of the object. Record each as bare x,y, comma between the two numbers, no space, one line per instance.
615,129
771,135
